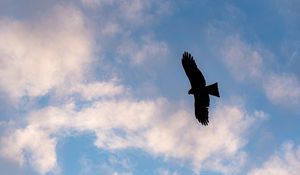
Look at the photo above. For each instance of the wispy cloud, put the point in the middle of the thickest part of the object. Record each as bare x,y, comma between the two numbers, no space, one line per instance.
284,162
243,61
132,12
289,11
93,3
166,172
144,52
91,91
283,89
119,32
248,64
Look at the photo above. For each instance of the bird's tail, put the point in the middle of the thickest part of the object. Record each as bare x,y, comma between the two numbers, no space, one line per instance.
213,89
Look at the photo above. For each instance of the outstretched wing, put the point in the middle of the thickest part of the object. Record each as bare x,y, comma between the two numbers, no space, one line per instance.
193,73
201,107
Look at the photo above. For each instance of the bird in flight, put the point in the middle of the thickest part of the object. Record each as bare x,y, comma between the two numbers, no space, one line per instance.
199,89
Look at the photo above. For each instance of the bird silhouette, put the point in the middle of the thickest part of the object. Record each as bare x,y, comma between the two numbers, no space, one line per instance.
199,89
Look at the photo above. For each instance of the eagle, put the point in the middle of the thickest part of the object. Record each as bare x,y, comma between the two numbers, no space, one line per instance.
199,89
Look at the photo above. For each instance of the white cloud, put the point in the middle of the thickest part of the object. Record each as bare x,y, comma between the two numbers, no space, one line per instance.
134,9
39,55
243,61
166,172
140,12
152,126
283,89
285,162
91,91
111,28
94,3
119,30
147,51
33,145
133,12
248,63
55,51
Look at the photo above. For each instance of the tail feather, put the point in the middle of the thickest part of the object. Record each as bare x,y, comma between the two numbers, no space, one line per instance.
213,89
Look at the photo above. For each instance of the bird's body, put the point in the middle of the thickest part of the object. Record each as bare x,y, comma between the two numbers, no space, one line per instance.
199,89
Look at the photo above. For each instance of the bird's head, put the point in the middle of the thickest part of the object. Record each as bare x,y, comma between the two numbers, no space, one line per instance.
191,91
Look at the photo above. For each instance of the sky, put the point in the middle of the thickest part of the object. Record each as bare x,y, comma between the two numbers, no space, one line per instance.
97,87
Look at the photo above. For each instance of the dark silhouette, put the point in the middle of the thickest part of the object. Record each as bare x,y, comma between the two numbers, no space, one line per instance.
199,89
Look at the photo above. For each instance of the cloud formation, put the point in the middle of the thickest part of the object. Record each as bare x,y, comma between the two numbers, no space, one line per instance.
131,12
148,50
46,53
128,123
55,51
283,89
95,90
248,63
243,61
284,162
33,142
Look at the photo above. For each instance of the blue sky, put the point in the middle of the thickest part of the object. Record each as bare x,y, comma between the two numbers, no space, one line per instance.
97,87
